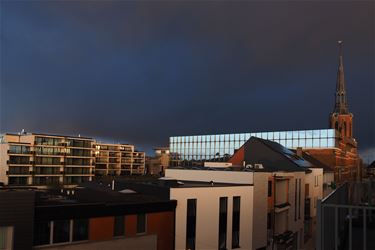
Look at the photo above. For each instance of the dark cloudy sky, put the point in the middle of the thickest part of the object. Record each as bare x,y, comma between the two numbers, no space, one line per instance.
140,72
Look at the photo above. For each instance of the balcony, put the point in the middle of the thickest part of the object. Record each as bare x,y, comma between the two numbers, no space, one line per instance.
282,207
346,217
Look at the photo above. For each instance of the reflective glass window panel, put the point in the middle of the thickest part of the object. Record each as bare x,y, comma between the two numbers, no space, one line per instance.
236,144
231,137
282,142
289,143
309,143
226,137
222,137
222,144
217,137
331,142
295,134
231,151
289,135
194,151
302,142
242,137
259,135
263,135
212,151
302,134
323,142
222,152
276,135
217,146
331,133
247,136
315,143
295,143
270,136
282,135
316,134
309,134
231,144
323,133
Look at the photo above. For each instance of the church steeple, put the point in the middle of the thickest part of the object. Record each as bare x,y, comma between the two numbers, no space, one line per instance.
340,118
341,106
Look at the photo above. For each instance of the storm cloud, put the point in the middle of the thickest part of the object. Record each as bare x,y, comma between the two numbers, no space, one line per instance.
140,72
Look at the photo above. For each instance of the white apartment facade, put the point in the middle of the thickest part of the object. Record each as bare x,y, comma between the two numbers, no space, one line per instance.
271,211
40,159
118,159
44,159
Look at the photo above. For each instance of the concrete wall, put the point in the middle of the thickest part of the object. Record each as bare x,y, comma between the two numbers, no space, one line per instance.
297,225
207,227
328,178
3,163
237,177
315,181
260,210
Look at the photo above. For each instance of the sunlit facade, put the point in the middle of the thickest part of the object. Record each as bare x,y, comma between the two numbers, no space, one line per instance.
221,147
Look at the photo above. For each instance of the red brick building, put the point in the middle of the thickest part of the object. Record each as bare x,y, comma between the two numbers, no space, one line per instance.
343,159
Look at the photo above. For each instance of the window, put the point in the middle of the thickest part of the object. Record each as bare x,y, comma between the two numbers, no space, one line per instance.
42,232
141,223
61,231
191,223
119,226
223,223
236,222
269,222
269,188
80,229
6,238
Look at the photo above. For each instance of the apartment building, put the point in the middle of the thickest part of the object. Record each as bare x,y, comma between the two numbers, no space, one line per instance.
45,159
157,164
286,188
118,159
85,218
41,159
271,216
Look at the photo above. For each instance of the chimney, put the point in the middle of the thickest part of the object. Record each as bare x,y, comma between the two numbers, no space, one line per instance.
299,151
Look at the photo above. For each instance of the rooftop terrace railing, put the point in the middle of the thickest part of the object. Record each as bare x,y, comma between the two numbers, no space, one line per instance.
346,218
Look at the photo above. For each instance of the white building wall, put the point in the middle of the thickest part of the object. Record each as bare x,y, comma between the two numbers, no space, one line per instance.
237,177
260,210
328,178
297,225
3,162
315,181
207,216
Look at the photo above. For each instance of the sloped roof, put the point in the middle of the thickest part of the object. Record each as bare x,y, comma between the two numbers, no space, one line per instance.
273,156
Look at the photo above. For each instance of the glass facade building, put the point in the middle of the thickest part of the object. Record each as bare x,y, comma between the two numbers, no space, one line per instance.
221,147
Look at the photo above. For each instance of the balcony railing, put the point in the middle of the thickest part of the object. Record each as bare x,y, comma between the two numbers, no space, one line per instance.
346,218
